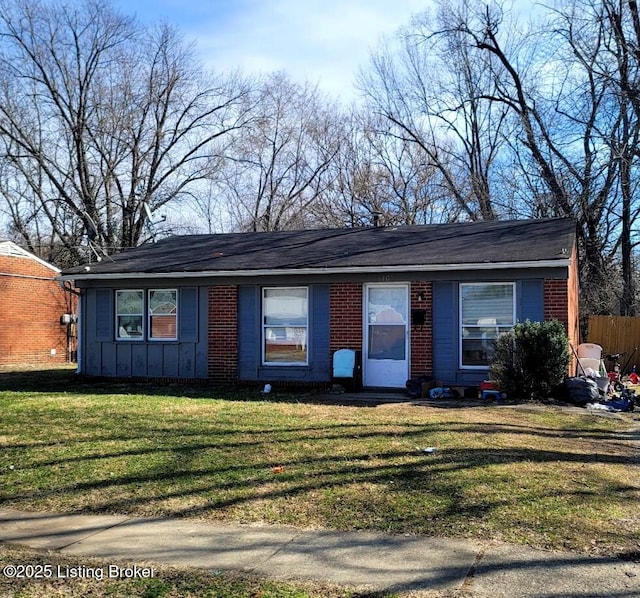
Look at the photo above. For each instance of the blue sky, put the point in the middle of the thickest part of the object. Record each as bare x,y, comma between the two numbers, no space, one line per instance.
320,41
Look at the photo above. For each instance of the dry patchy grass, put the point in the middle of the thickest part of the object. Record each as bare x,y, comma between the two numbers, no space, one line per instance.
542,477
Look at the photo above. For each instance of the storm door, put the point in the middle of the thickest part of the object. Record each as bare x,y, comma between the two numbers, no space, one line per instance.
386,332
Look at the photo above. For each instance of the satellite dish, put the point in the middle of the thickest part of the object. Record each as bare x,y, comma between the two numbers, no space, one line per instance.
91,228
149,220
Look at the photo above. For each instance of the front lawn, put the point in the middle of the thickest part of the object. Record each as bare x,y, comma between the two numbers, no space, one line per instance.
541,477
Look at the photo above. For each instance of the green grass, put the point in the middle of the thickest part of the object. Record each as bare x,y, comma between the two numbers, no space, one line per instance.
540,477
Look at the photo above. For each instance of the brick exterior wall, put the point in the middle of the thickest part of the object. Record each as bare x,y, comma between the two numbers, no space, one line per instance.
556,300
346,323
560,303
32,302
345,320
573,292
223,334
422,335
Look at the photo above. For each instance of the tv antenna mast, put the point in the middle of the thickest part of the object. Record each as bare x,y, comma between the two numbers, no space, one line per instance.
150,223
92,233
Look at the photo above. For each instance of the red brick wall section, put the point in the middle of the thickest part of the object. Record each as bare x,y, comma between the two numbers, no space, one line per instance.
422,335
30,328
556,300
573,299
345,309
560,303
223,334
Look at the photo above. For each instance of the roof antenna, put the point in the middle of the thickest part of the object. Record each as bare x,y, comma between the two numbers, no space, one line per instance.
92,233
150,222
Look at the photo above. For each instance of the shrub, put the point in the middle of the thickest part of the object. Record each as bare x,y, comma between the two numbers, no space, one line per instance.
531,359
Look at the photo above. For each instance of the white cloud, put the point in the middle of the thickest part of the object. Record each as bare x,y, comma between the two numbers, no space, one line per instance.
323,42
320,41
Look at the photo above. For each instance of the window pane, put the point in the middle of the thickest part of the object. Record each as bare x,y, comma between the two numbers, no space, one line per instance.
285,345
162,314
162,326
129,314
490,304
162,302
285,306
285,328
129,302
476,352
387,306
129,326
387,342
486,311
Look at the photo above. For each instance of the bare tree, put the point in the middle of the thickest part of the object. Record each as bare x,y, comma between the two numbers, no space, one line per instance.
578,129
383,177
536,122
431,89
102,117
277,169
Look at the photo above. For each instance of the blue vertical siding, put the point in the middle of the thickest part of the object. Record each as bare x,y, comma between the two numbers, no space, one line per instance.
319,332
249,333
138,360
185,358
250,338
188,314
446,327
170,365
104,314
445,331
530,300
188,356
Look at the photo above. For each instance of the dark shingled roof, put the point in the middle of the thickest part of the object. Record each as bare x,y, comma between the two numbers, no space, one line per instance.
411,246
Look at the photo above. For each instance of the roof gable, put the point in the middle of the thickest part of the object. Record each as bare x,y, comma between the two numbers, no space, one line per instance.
10,249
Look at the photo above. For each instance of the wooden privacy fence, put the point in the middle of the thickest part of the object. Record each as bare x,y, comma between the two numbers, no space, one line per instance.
616,334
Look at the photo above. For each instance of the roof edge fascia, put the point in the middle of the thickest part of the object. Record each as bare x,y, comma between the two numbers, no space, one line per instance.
560,263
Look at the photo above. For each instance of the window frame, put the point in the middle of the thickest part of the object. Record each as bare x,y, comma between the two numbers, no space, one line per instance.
264,326
149,330
145,317
118,336
462,325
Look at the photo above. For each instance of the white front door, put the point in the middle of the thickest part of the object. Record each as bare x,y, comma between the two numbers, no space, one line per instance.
386,331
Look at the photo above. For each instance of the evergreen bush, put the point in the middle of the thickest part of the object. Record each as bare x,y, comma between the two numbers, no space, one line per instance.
531,359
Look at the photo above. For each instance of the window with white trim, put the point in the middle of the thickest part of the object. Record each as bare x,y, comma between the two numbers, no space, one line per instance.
129,315
285,325
486,310
161,308
163,314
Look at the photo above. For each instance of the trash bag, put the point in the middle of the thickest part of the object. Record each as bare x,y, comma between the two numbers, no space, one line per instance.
621,404
441,393
581,390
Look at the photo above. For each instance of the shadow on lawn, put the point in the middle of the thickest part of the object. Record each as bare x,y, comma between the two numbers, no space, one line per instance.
191,489
178,482
176,477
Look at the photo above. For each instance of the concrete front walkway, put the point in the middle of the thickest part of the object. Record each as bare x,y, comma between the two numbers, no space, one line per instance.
368,560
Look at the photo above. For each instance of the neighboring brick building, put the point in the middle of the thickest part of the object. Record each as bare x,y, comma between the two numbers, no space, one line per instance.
33,304
274,306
